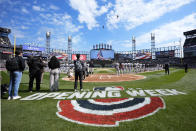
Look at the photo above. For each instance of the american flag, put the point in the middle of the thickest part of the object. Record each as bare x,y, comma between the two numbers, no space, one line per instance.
100,55
143,56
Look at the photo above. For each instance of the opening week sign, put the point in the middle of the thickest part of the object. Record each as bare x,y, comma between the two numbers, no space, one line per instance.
104,106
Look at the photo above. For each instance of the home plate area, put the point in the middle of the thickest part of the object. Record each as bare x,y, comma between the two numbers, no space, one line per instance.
109,78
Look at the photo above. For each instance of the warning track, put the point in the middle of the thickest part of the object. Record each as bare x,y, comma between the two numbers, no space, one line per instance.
109,78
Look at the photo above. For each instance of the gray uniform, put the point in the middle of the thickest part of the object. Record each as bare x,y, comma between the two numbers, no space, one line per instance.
117,68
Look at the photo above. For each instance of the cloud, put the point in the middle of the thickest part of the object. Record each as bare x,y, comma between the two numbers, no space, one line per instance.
76,39
127,44
40,39
88,11
35,2
53,7
71,27
60,26
119,45
59,43
134,13
38,8
165,35
9,2
80,43
24,27
18,33
63,21
24,10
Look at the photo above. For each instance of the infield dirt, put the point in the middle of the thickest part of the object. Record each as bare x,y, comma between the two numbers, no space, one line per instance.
109,78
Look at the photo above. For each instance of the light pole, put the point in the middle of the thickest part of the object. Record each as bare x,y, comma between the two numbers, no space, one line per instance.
180,50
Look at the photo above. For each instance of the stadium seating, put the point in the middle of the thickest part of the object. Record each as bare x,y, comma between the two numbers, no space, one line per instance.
4,40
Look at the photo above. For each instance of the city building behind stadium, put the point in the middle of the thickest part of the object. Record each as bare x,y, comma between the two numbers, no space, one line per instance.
103,55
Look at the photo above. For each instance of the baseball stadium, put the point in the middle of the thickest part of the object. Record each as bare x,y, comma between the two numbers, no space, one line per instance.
150,89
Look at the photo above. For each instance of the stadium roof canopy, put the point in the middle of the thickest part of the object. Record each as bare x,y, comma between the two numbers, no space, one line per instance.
5,30
192,32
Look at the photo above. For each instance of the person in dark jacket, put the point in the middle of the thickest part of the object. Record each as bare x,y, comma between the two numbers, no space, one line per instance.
186,68
29,60
15,77
79,65
35,71
54,65
167,69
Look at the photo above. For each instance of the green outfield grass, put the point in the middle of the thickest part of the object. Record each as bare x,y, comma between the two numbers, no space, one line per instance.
104,70
40,115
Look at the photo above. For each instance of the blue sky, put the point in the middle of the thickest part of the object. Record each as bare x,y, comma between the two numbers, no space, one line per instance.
29,21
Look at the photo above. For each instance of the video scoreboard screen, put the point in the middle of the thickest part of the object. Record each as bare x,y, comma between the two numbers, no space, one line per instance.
82,57
102,54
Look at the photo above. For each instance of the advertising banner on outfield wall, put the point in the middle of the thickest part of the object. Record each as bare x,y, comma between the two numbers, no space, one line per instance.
33,48
123,57
82,57
165,54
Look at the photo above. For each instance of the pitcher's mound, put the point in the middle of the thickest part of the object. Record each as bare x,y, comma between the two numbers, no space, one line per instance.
109,78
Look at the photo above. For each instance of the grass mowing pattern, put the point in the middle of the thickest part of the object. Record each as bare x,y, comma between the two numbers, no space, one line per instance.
179,115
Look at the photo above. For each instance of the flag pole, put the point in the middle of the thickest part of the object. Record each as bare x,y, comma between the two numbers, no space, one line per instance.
14,44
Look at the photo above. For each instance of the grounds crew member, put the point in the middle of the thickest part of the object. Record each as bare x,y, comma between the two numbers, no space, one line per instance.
78,64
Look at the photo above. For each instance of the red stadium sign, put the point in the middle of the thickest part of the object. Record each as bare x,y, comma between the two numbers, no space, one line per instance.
7,52
82,57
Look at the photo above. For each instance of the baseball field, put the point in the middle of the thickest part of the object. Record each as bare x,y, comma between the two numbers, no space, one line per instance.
157,102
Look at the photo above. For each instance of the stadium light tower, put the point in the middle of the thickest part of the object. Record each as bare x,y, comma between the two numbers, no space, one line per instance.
181,50
48,34
69,48
153,46
133,47
108,47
